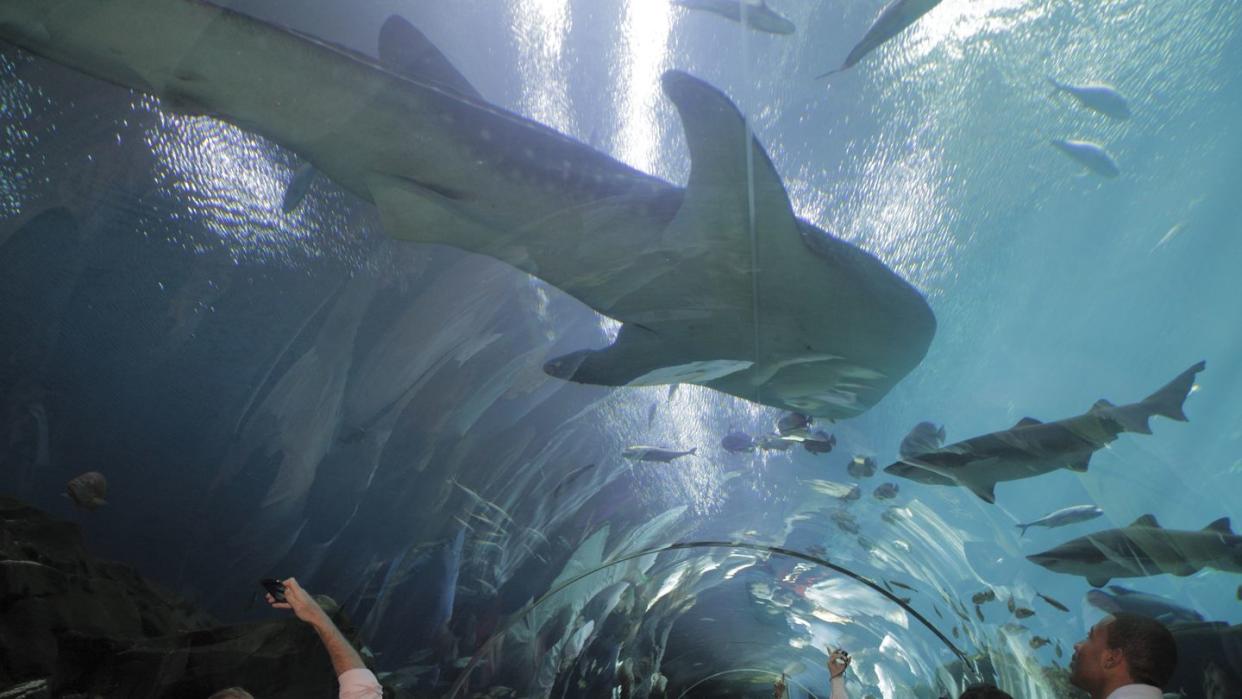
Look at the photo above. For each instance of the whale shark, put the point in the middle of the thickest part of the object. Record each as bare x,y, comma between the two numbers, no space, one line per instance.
1032,448
717,283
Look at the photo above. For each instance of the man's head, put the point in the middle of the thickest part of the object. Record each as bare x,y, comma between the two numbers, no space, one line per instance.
1123,649
232,693
984,691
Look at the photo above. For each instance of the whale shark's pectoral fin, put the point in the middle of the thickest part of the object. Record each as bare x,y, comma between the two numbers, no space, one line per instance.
426,213
405,50
716,216
635,352
639,357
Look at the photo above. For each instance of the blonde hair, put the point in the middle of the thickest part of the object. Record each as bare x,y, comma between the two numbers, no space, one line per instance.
232,693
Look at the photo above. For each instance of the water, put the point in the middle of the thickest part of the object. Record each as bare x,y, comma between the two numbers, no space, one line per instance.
274,394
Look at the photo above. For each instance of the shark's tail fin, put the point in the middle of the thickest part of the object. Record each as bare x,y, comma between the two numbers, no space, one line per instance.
1057,85
694,450
1166,402
830,73
1023,527
1169,399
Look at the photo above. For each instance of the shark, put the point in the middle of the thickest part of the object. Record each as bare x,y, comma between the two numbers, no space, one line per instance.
717,283
1032,448
895,18
757,14
1145,548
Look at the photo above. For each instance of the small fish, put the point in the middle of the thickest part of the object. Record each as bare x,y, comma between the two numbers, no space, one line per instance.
1174,231
1014,627
1097,97
904,600
88,490
885,491
923,438
793,424
844,521
937,611
956,633
1058,650
1090,155
651,413
641,453
737,442
979,612
819,442
1012,605
854,494
1038,642
774,442
1052,602
1023,612
861,467
903,586
983,597
672,390
1064,516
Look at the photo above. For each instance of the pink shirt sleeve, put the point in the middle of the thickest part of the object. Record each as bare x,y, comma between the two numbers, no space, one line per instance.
359,683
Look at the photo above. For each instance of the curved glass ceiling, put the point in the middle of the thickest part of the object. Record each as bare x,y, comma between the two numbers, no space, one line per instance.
640,348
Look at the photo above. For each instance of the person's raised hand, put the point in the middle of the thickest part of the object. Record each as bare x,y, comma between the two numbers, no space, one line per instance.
838,661
300,601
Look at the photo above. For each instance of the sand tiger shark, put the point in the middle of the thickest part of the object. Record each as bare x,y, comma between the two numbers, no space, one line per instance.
1032,448
1145,548
807,322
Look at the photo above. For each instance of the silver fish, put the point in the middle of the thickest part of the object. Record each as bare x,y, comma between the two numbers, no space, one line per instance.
1090,155
660,454
1064,516
1096,96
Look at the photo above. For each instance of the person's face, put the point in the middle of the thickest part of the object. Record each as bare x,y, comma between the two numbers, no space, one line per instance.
1092,658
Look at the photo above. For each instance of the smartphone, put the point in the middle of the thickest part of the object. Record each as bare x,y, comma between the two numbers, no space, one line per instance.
274,587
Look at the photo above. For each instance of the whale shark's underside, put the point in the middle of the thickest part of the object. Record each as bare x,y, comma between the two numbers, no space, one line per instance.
717,283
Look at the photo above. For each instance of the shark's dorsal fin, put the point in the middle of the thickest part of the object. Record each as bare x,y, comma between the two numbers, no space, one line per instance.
1220,526
405,50
724,180
1147,520
1100,581
1026,422
1101,405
